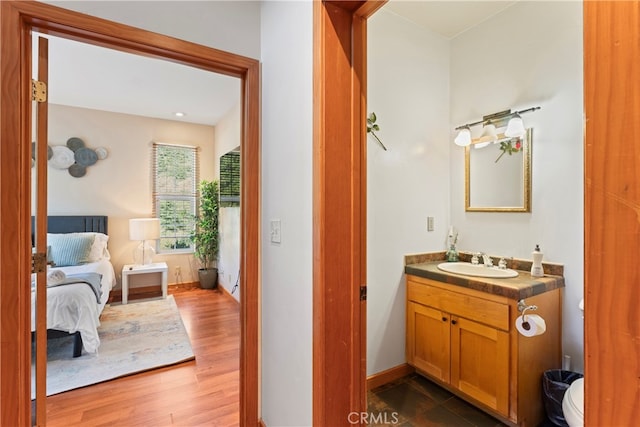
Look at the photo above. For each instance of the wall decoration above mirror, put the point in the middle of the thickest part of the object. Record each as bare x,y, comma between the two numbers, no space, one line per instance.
498,175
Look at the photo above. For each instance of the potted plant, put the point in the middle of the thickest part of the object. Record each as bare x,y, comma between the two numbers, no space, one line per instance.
206,234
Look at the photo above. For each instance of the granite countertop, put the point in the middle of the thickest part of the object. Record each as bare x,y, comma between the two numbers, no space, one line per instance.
517,288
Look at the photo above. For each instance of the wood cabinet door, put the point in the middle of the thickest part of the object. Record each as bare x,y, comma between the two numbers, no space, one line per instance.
428,340
480,363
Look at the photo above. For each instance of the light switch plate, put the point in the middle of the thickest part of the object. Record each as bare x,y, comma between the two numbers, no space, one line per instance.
275,231
429,223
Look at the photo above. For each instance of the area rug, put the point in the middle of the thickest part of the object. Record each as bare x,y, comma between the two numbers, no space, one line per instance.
135,337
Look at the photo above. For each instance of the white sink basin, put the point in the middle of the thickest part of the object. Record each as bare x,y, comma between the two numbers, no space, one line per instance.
479,270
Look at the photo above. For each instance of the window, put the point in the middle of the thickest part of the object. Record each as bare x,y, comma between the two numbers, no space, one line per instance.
175,185
230,179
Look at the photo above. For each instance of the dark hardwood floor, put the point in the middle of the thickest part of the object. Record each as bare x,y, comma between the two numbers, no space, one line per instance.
204,392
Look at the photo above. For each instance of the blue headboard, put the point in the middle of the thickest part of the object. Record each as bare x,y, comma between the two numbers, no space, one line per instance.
74,224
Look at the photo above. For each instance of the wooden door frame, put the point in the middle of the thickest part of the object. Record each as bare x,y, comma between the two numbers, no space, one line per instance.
17,19
612,212
339,210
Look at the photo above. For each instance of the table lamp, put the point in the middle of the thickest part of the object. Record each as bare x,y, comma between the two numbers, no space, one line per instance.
144,229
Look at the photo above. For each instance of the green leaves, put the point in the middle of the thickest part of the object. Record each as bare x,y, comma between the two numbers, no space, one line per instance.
509,147
206,233
371,123
372,128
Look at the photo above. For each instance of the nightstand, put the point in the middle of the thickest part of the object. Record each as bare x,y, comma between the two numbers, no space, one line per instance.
131,269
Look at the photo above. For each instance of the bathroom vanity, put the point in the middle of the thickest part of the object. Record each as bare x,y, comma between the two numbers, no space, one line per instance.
461,334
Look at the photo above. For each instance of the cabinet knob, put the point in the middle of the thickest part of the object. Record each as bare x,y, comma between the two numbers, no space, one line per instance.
444,319
453,322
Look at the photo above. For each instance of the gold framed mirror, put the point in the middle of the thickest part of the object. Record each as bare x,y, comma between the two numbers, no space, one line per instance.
498,176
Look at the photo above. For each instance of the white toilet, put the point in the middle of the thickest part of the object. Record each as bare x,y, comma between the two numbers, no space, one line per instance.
573,401
573,404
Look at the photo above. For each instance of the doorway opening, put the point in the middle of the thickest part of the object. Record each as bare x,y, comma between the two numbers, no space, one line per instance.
23,17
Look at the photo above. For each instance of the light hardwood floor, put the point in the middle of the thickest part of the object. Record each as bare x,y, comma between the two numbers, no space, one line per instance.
204,392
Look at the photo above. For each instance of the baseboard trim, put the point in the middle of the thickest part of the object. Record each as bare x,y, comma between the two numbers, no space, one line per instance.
391,374
226,291
184,285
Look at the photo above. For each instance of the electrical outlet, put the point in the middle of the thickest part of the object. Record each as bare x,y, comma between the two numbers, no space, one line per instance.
178,270
429,223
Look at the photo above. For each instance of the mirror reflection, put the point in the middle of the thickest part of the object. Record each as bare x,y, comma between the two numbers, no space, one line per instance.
498,176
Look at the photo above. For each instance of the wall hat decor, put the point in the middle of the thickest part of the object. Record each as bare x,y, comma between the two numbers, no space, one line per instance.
75,143
33,151
85,156
102,153
76,170
62,157
74,156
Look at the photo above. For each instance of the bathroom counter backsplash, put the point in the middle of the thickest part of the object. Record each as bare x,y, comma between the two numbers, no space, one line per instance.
524,286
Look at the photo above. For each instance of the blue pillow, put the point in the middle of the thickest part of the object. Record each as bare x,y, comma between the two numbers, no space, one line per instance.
70,249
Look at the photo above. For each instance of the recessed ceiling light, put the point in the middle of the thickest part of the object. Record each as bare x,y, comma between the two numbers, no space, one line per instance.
180,114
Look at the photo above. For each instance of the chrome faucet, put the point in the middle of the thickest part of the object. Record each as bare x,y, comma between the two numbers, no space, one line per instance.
486,259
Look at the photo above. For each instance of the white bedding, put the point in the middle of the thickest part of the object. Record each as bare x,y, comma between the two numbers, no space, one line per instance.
73,308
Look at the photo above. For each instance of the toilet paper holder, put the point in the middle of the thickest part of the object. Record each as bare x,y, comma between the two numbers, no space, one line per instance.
523,307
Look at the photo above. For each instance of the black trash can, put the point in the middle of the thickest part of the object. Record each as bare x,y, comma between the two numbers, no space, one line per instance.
555,383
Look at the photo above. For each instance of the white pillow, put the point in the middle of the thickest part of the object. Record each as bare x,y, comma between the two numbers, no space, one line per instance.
99,249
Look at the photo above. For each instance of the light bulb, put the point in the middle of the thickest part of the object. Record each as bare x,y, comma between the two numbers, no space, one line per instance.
489,132
515,128
464,137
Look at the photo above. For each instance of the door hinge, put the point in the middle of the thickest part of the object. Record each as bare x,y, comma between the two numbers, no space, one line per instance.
38,262
38,91
363,293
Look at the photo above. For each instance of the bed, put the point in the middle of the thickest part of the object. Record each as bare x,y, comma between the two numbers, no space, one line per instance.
78,246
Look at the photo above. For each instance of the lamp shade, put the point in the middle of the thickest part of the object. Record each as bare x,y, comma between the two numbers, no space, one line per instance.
515,128
464,137
144,229
489,132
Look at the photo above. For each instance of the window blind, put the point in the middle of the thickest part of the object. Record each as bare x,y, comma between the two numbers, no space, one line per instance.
230,179
175,192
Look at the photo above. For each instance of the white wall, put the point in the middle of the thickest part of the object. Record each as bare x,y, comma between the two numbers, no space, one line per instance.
408,88
121,186
287,195
529,55
227,137
229,256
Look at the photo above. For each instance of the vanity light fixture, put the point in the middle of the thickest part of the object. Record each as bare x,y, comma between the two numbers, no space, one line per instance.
464,136
489,133
513,122
515,128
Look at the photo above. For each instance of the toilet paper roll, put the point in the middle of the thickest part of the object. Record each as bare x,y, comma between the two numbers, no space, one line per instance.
531,326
